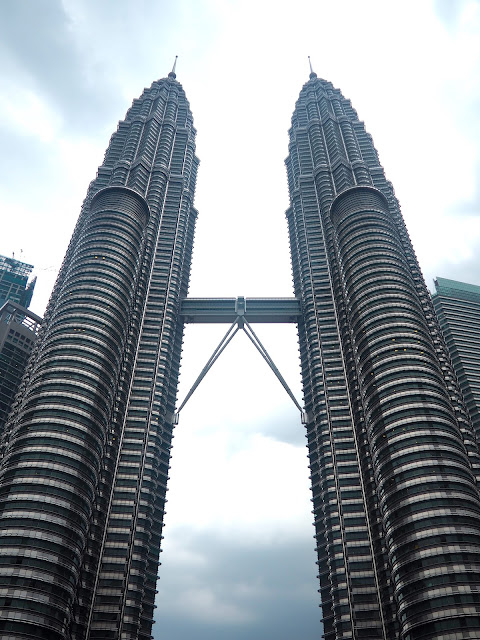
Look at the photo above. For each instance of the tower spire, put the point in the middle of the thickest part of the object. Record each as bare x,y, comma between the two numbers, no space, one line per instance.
172,73
312,72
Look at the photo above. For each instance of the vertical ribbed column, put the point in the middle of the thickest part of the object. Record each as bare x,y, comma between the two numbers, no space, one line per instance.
428,496
123,580
57,441
354,589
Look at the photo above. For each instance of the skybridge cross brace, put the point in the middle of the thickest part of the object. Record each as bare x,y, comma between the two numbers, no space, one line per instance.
265,310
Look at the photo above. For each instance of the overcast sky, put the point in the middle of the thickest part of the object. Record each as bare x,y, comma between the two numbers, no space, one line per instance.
238,558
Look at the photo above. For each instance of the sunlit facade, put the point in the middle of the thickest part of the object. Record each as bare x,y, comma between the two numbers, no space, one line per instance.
392,454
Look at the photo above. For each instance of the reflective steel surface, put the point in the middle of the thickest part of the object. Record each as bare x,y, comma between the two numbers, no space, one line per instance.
393,456
86,453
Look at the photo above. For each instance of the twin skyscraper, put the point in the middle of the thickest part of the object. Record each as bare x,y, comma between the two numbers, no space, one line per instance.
394,458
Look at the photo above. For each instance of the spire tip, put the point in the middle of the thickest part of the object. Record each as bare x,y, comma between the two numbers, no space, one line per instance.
172,73
312,72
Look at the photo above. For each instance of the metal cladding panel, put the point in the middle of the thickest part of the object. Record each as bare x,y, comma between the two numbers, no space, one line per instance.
392,452
54,445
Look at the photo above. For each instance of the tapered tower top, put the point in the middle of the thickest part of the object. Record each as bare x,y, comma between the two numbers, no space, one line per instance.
312,72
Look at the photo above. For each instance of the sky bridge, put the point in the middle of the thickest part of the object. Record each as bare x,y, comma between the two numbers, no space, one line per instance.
217,310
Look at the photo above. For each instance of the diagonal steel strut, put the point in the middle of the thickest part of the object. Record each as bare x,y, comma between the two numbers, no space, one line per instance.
264,353
239,323
213,358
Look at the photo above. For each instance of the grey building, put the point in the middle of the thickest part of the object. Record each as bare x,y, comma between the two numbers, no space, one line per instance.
392,454
15,282
394,462
18,328
86,452
457,305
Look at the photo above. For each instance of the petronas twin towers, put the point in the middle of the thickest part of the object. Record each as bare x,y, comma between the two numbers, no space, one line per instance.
85,454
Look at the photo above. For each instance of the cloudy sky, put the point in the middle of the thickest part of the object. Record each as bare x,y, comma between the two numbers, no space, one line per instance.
238,557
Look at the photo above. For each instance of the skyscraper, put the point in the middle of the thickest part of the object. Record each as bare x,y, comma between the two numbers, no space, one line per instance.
18,328
18,332
86,453
14,281
393,456
457,305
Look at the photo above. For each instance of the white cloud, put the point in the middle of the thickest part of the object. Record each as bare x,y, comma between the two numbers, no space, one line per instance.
245,486
206,605
24,111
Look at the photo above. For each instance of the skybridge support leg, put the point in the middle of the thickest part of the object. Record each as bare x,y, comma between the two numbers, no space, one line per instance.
240,323
264,353
213,358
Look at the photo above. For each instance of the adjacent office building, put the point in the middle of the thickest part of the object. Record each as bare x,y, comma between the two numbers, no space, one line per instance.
393,457
15,282
457,305
18,329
